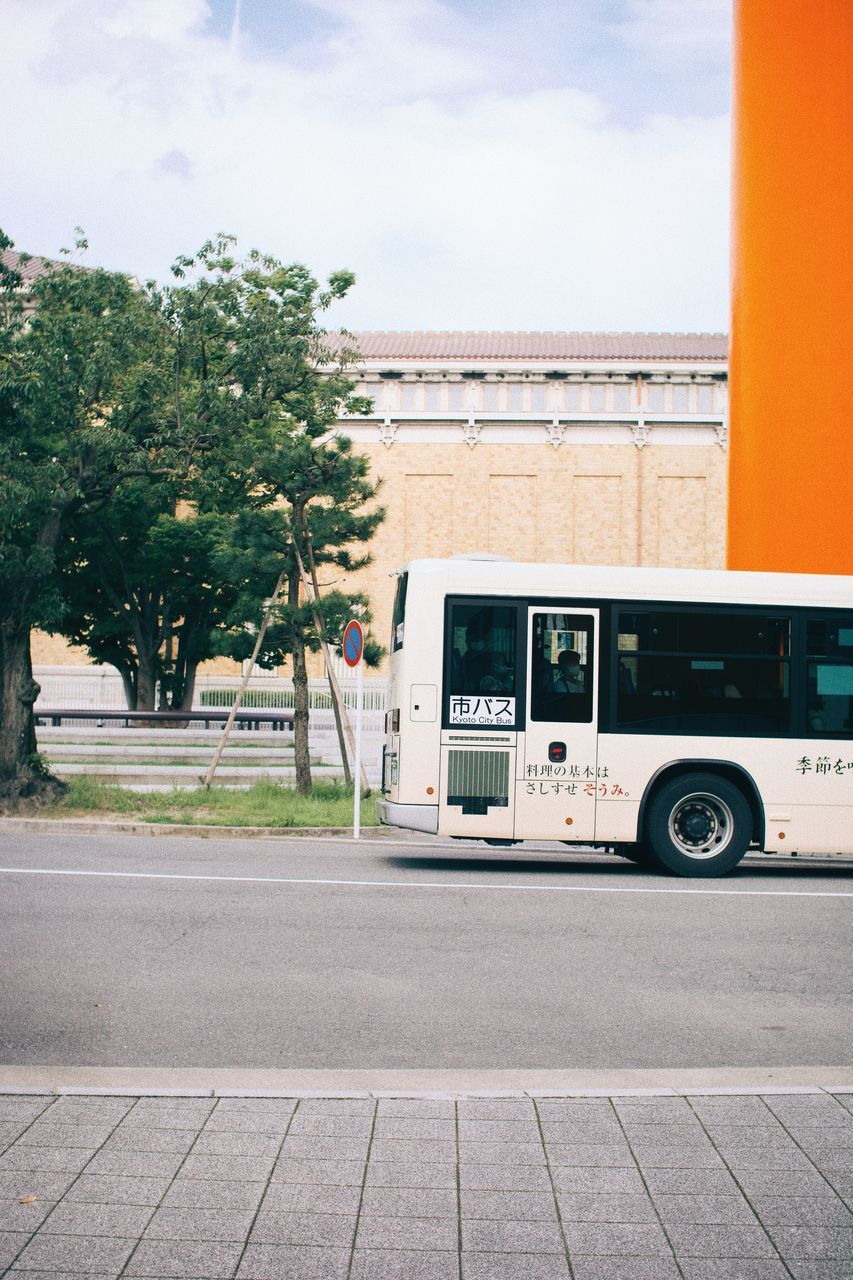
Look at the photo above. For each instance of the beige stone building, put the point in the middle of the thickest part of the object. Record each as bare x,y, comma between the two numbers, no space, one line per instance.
576,447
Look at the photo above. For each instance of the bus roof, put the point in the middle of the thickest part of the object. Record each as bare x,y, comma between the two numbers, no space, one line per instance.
496,576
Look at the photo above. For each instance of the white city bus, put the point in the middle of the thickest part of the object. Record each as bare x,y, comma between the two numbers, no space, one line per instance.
681,717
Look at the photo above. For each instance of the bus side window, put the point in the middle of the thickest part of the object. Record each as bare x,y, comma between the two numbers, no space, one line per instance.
561,668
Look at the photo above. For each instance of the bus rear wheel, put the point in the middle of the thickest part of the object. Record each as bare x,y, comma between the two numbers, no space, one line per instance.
698,825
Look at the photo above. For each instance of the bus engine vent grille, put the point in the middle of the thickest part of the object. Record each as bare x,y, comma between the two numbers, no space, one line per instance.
478,780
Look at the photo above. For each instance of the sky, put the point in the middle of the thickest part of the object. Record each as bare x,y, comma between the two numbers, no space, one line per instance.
479,164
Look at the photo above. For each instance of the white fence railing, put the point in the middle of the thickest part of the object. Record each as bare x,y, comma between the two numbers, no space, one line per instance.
101,689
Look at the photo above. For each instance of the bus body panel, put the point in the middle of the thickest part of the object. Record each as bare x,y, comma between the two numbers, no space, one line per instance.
436,772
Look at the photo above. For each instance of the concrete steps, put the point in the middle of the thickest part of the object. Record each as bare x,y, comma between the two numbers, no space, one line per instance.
160,759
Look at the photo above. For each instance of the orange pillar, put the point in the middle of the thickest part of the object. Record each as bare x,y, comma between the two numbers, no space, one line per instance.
791,368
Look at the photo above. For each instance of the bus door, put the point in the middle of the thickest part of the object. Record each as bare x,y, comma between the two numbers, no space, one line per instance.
557,759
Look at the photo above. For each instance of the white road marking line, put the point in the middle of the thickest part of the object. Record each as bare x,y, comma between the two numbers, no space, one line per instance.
424,884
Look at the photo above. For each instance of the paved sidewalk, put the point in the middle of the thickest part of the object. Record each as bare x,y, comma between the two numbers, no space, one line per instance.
642,1186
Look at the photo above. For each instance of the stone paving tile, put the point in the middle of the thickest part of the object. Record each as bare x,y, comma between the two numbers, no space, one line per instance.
74,1253
749,1111
407,1233
757,1135
62,1275
499,1130
791,1211
330,1126
11,1243
712,1182
273,1226
171,1113
136,1164
50,1134
204,1193
23,1217
10,1133
804,1108
511,1237
340,1106
707,1210
27,1182
809,1269
594,1154
342,1173
495,1109
380,1264
651,1156
842,1182
97,1220
783,1159
505,1153
228,1168
660,1135
48,1159
106,1189
818,1135
409,1202
296,1197
499,1177
653,1111
813,1242
424,1151
719,1241
733,1269
421,1108
579,1179
783,1182
411,1173
413,1128
221,1142
518,1206
200,1224
293,1262
514,1266
22,1108
140,1139
619,1238
184,1259
78,1110
587,1267
605,1206
309,1147
607,1131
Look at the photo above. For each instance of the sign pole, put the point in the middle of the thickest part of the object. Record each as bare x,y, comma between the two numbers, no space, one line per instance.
359,702
352,649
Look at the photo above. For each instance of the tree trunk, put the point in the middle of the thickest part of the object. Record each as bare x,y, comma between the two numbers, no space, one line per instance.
146,687
128,680
300,698
23,781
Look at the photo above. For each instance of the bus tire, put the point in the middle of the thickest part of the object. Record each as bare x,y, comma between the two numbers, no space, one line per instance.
699,825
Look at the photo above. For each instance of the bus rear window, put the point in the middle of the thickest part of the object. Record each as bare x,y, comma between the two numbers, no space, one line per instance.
398,617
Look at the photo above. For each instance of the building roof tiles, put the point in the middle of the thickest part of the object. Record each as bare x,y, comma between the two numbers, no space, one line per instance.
506,345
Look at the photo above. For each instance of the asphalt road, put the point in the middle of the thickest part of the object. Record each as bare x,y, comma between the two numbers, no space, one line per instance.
184,952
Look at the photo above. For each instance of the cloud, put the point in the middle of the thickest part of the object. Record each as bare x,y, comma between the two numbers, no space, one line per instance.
388,139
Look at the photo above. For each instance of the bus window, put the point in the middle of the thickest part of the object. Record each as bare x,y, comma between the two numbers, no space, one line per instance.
829,676
482,676
398,617
693,671
561,668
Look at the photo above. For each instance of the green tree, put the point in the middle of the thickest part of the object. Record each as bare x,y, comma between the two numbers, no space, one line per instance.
263,384
319,501
146,589
82,410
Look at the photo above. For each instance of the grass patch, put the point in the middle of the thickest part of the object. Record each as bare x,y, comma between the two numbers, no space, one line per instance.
265,804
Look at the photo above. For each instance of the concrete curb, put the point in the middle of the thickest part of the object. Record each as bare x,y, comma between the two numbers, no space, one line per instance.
95,826
232,1082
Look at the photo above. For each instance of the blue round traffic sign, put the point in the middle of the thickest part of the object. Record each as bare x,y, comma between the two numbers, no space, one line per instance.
353,645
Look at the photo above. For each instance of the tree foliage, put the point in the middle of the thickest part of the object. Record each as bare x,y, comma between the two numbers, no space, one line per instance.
163,451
